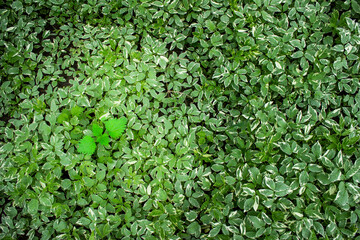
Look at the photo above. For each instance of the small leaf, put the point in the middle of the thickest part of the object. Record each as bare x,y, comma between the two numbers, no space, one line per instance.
194,229
63,117
83,101
33,206
17,5
76,111
297,54
355,6
65,161
257,222
303,178
13,70
89,182
87,145
162,195
59,225
215,231
316,149
45,201
97,61
191,216
296,43
116,127
285,147
210,25
103,139
267,17
342,197
163,61
57,2
97,130
319,228
249,203
83,221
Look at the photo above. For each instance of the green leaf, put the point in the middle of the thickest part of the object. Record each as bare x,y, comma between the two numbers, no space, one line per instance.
210,25
13,70
225,19
97,130
59,225
338,64
335,175
342,196
89,182
281,189
136,126
100,175
65,161
303,178
66,183
249,203
163,61
191,216
83,221
83,101
103,230
63,117
45,201
33,206
116,127
57,2
76,111
270,183
296,43
355,6
285,147
194,229
267,17
297,54
317,149
17,5
87,145
162,195
103,139
215,231
97,61
257,222
319,228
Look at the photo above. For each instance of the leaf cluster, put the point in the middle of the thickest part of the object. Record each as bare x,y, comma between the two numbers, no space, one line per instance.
114,128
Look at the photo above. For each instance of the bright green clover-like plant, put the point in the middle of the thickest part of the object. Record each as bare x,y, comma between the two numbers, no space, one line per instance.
114,127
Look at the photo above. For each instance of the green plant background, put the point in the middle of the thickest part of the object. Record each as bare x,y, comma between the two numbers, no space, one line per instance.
242,119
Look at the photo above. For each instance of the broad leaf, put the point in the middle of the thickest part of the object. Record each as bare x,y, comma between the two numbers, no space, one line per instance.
116,127
87,145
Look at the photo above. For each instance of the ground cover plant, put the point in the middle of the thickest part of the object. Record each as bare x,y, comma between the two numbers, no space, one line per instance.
179,119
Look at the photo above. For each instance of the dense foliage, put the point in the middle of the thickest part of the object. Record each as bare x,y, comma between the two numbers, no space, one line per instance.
179,119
